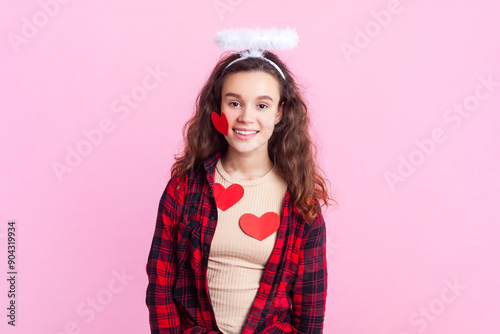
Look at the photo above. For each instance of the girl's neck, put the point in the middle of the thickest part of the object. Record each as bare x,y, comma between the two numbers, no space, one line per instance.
246,167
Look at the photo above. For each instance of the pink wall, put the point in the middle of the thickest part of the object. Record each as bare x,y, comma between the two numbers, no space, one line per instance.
405,101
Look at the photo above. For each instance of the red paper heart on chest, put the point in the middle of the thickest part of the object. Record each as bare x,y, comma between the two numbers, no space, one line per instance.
260,228
226,198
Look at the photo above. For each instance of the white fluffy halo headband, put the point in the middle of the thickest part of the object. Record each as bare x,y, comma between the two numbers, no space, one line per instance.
256,41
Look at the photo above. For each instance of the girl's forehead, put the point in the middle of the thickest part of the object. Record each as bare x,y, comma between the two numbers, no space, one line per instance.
250,84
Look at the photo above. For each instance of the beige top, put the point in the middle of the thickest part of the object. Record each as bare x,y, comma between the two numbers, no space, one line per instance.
237,261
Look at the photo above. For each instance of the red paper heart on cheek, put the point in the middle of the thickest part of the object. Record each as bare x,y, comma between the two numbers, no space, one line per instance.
226,198
260,228
220,122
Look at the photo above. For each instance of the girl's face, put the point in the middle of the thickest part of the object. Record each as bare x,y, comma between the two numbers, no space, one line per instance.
250,103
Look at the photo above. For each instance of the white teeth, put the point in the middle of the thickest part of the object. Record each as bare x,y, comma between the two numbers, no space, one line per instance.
245,132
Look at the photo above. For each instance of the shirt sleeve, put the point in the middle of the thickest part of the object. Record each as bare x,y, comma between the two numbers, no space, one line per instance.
309,290
161,266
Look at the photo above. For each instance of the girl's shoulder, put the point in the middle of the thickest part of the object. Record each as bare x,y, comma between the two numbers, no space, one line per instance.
179,184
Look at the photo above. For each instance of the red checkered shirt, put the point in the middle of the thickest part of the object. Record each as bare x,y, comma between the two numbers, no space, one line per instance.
292,293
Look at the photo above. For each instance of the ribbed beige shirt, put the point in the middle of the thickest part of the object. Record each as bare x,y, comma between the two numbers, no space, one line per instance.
237,261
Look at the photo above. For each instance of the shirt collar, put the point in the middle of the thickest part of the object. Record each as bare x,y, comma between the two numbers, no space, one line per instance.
210,163
209,166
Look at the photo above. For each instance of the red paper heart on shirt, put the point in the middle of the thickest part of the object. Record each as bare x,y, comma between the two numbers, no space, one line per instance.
260,228
220,122
226,198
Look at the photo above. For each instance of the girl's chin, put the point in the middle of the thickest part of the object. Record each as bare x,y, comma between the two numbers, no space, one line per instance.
245,150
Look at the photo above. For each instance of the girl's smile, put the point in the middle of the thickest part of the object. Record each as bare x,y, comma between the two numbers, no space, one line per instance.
244,134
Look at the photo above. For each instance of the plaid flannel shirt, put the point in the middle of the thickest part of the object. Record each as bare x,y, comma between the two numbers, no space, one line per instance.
292,293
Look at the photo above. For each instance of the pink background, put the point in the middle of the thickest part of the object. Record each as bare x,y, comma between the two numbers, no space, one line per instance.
418,255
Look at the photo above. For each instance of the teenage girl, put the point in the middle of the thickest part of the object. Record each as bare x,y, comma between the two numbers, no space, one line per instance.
239,243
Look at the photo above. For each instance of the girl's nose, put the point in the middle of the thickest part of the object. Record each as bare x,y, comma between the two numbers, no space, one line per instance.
246,115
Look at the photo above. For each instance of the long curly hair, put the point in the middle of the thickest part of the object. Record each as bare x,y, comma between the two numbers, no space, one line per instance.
290,146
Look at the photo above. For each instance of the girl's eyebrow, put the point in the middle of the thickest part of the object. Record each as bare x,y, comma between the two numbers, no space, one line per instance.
262,97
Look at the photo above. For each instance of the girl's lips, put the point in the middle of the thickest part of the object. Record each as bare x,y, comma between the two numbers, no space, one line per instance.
244,137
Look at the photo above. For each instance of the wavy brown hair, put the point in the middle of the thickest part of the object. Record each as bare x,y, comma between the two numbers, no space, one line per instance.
290,146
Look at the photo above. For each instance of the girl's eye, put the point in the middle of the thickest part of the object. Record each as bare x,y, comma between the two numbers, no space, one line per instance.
231,103
264,105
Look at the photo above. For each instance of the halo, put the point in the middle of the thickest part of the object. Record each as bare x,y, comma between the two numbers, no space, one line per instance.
264,39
